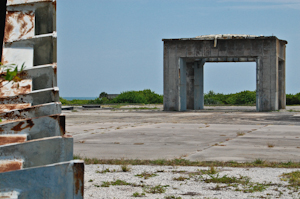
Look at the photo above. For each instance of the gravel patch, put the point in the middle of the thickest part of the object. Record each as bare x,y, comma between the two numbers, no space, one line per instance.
266,182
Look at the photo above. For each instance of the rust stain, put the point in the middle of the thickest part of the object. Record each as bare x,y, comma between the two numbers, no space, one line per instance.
19,127
19,17
12,139
17,88
9,107
8,28
11,166
55,69
78,177
54,4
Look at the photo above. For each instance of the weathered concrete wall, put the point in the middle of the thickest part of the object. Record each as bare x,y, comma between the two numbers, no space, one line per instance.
267,52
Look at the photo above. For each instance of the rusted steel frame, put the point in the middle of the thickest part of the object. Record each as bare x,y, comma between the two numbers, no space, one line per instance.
36,128
35,97
39,152
2,23
33,112
42,76
66,180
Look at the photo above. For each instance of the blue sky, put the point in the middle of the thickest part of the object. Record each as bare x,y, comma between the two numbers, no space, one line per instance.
116,45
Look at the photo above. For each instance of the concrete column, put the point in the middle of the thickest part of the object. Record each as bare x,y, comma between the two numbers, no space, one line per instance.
267,84
199,85
190,85
182,85
281,90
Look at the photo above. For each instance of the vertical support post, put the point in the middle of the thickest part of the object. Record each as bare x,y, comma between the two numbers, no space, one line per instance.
2,24
258,86
182,84
281,90
199,85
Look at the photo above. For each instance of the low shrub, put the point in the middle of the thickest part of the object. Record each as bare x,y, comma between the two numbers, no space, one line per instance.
142,97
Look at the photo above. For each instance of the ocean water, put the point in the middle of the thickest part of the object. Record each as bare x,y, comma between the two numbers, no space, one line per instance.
80,98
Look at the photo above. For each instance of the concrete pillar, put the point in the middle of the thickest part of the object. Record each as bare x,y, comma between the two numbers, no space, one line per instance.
199,85
281,90
190,85
182,85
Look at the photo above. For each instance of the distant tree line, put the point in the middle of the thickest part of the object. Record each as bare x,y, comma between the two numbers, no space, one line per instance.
149,97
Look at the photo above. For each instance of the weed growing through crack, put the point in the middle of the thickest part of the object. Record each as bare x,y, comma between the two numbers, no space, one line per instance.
146,175
156,189
125,168
241,183
293,178
184,162
240,133
227,180
104,171
172,197
137,194
115,183
180,178
258,161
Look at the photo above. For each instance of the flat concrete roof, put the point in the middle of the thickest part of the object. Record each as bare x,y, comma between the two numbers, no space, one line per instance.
225,37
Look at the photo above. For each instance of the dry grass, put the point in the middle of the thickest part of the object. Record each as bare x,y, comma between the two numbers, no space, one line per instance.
183,162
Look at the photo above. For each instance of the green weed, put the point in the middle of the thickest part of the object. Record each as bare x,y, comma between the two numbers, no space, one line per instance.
146,175
137,194
155,189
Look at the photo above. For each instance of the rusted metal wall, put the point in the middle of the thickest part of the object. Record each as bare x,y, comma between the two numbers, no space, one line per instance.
33,147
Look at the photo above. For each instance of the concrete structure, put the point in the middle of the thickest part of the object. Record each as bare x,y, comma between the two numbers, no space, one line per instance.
36,157
184,61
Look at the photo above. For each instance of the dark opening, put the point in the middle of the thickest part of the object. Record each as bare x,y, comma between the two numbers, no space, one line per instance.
2,23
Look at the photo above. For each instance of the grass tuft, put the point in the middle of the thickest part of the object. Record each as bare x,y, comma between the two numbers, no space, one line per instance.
137,194
125,168
156,189
146,175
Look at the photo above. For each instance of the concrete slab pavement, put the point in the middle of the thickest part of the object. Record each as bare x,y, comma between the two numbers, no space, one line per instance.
218,134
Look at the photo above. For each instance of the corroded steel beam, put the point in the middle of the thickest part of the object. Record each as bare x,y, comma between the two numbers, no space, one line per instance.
60,181
38,152
35,128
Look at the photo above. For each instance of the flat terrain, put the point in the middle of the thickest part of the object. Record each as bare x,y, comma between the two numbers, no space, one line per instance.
221,133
